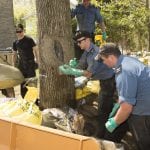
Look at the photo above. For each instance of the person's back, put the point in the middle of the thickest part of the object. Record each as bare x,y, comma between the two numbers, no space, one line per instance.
86,17
140,84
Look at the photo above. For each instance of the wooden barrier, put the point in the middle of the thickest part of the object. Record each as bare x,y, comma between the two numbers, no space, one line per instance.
22,136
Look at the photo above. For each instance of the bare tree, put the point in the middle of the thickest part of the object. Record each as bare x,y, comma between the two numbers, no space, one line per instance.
55,48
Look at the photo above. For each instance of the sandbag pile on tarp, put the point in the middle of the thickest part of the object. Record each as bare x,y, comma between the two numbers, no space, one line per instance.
10,76
21,110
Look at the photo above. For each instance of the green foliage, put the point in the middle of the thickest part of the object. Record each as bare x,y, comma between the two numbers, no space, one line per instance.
24,12
124,19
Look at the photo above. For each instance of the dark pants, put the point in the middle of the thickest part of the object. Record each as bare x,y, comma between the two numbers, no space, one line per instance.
28,70
140,128
9,92
106,102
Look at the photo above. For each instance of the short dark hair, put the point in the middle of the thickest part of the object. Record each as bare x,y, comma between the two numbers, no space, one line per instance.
20,26
110,49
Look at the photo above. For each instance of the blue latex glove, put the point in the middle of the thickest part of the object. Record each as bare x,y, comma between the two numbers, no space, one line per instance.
104,36
111,125
73,63
114,110
66,69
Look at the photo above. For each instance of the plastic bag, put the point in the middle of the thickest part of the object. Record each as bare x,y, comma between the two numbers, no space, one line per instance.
32,115
91,87
32,94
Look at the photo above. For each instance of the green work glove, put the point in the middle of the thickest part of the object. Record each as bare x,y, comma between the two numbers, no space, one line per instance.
104,36
111,125
114,110
66,69
73,63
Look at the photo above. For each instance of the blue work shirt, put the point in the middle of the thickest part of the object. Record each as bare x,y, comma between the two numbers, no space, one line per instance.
86,17
133,84
99,70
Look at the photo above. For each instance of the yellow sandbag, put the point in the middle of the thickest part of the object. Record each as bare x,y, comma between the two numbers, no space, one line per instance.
93,86
82,92
32,115
20,107
10,76
4,107
32,94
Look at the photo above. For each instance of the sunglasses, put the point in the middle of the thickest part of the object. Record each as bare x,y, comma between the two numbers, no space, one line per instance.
19,31
79,41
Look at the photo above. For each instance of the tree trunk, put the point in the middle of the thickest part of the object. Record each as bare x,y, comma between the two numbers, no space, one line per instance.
55,48
7,30
148,24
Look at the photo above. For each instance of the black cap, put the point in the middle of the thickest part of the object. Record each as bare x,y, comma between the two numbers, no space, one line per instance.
80,34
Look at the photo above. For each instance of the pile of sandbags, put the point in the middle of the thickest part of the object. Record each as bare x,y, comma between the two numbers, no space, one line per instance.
21,110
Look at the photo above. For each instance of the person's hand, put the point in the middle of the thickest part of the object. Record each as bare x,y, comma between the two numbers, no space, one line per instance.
67,70
114,110
104,36
73,63
111,125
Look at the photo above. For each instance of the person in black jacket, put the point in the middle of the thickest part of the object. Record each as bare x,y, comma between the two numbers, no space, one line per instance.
27,52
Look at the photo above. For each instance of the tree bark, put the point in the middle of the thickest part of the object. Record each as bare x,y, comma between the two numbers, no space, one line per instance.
55,48
148,24
7,29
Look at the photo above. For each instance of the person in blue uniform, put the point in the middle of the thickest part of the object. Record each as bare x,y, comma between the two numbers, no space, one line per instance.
87,15
90,68
133,85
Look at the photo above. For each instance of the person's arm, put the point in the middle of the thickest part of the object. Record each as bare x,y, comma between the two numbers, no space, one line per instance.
123,112
36,53
100,20
14,58
102,26
126,82
87,74
73,12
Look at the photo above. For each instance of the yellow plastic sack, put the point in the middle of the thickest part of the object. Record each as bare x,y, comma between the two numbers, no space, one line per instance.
91,87
17,109
82,92
32,94
32,115
21,110
99,40
4,107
